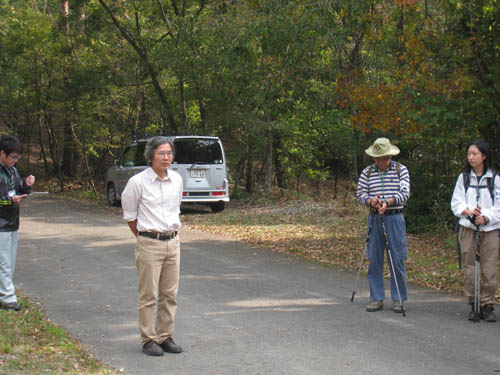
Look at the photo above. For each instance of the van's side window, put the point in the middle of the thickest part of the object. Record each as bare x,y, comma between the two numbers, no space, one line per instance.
140,159
134,156
128,159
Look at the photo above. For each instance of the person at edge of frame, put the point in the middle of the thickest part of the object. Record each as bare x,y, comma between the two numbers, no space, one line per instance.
12,191
151,205
385,187
476,208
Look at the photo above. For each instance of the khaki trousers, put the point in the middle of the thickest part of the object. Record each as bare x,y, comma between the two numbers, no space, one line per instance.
158,264
488,263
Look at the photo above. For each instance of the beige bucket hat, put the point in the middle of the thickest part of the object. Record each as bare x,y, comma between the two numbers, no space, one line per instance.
382,147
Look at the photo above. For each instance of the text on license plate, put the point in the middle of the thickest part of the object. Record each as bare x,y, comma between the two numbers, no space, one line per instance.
197,173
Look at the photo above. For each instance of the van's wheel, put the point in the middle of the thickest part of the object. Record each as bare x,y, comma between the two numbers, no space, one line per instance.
112,197
217,206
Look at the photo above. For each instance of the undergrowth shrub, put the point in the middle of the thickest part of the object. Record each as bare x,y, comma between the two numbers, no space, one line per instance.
429,205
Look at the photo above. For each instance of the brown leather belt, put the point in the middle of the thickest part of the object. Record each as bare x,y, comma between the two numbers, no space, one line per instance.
159,236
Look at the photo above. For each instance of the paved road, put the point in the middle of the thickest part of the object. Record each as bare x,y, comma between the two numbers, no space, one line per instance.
242,310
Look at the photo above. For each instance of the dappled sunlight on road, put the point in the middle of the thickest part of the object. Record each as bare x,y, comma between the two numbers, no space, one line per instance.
270,302
215,277
274,309
273,305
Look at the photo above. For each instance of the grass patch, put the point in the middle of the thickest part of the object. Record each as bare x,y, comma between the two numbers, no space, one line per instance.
31,344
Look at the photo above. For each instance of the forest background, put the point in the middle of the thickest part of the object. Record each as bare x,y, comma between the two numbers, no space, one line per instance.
296,89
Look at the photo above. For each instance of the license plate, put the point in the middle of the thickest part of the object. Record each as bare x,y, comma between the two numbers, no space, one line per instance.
197,173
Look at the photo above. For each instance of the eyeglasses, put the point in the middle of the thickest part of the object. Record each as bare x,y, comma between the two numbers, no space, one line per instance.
163,154
14,157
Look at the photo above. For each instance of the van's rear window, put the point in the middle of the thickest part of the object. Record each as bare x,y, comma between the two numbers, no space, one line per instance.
202,151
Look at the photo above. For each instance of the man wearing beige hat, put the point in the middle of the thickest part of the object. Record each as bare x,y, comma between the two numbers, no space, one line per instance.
384,187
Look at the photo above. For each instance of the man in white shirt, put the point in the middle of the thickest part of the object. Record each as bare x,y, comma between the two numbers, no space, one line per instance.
151,206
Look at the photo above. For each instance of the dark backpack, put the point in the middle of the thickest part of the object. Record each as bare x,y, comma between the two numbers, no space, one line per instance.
490,184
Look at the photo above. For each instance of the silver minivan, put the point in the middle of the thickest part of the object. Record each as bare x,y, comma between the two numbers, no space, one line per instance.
200,160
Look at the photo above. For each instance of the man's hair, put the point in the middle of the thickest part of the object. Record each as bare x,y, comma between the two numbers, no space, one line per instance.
153,144
10,144
485,149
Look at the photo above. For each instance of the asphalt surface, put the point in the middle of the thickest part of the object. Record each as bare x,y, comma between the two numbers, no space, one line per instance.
241,309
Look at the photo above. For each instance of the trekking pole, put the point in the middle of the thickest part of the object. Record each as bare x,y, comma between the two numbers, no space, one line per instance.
477,278
365,249
392,266
459,249
477,269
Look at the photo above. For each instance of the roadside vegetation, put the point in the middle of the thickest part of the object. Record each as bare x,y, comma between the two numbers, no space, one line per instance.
330,232
31,344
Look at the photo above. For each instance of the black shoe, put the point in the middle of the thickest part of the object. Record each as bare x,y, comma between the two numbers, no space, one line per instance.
487,313
170,346
472,314
152,348
10,306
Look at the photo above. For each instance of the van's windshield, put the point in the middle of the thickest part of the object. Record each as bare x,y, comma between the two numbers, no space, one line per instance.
197,151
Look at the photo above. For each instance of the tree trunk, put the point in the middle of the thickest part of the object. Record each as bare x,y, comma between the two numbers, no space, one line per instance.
278,166
203,111
239,172
68,164
249,179
42,147
268,171
185,119
64,14
54,153
68,167
82,5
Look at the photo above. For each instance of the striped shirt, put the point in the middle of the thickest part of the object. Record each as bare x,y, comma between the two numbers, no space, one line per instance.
387,184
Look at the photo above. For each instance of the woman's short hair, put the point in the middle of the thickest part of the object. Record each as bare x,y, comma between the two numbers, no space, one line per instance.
153,144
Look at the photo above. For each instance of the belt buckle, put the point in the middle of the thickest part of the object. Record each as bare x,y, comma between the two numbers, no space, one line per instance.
158,234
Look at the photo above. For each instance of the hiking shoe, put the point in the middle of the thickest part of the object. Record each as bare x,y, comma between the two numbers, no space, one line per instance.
472,314
397,307
170,346
375,306
152,348
10,306
487,313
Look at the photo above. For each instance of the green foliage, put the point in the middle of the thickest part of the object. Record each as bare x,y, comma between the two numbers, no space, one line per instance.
239,194
87,195
306,86
429,206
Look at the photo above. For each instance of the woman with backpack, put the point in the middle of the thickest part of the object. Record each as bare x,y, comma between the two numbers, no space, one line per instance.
476,201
